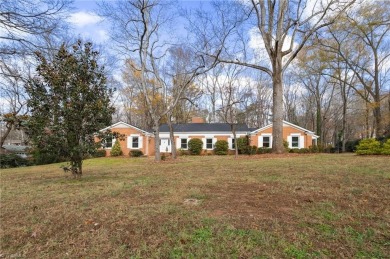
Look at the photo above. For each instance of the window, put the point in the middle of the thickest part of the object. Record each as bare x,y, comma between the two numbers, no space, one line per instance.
108,142
295,142
209,143
183,143
233,143
135,142
266,142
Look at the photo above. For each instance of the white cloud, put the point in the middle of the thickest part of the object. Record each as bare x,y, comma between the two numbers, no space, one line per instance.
82,19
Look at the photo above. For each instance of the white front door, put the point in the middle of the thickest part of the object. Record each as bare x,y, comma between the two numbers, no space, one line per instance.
165,145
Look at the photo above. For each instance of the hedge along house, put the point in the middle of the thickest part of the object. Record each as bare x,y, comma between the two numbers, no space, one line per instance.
209,133
134,139
297,137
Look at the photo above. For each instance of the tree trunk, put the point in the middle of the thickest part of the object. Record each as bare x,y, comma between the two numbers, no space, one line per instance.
233,127
277,109
319,121
344,123
172,138
157,154
377,120
5,135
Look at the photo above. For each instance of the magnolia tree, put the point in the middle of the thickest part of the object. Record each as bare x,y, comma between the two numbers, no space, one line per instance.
69,102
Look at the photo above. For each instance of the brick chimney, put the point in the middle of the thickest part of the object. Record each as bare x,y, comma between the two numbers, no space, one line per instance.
197,120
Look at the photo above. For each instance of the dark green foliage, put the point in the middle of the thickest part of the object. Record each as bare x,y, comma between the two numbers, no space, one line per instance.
99,153
12,160
136,153
314,149
195,146
47,156
264,150
302,150
116,149
368,147
221,147
386,147
285,144
350,146
242,145
69,102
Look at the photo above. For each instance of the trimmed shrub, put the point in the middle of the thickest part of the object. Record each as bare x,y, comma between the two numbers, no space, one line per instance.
195,146
99,153
221,147
386,147
368,147
12,160
116,149
264,150
136,153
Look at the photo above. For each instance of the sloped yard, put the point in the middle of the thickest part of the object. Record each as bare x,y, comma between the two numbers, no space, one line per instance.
289,206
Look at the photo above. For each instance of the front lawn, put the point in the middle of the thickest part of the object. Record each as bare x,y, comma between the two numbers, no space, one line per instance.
281,206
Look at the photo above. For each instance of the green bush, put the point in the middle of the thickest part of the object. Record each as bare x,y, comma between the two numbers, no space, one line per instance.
285,145
386,147
314,149
12,160
99,153
116,149
195,146
221,147
136,153
368,147
303,150
242,145
264,150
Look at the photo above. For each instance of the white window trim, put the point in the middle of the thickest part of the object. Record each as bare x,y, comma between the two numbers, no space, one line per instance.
212,143
140,139
261,142
180,139
299,140
113,142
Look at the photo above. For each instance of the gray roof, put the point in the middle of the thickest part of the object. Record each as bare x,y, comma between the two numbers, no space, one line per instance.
204,127
15,148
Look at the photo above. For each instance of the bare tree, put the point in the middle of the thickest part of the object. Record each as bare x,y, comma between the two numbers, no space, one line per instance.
361,40
23,21
14,109
138,26
228,85
284,26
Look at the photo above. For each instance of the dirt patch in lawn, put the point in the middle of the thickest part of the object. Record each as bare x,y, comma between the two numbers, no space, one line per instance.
253,202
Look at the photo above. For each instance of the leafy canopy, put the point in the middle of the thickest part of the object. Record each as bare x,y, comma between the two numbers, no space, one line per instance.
69,102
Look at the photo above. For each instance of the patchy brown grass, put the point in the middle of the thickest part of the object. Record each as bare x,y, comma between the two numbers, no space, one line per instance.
280,206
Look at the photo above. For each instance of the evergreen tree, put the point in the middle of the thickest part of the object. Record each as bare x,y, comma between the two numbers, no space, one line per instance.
69,102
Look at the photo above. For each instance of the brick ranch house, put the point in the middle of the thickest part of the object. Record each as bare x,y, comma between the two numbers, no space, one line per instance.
209,133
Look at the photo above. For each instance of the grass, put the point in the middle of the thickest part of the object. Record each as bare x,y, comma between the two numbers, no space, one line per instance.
267,206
